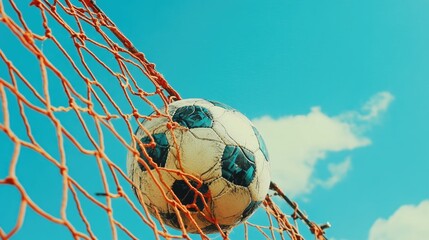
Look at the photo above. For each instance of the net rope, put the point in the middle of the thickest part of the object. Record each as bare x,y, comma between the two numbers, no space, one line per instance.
73,89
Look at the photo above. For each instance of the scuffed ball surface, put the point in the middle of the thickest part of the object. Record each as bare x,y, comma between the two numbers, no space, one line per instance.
215,144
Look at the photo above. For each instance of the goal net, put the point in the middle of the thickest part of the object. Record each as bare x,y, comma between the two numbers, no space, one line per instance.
73,89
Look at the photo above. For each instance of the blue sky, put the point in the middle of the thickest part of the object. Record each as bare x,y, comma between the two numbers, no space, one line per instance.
337,88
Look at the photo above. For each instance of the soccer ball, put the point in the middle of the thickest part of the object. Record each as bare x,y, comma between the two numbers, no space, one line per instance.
207,156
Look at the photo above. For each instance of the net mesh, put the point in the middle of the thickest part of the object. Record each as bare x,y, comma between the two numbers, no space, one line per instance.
73,89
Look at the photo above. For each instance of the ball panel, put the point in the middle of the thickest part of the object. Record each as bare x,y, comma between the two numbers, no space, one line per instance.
219,187
209,131
154,126
213,228
238,165
188,102
175,138
236,129
221,105
189,194
203,103
205,134
198,216
201,221
157,152
200,157
261,142
193,117
217,112
259,186
221,131
152,194
183,102
229,207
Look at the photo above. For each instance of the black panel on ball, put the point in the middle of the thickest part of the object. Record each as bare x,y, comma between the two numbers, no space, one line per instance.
158,153
188,195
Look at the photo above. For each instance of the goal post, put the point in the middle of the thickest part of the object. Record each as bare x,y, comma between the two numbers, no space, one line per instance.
73,89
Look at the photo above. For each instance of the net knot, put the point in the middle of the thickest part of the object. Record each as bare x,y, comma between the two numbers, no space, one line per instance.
71,102
136,114
91,112
53,7
35,3
63,170
10,180
117,55
81,36
120,192
81,40
108,117
115,47
141,92
48,33
158,90
95,21
28,36
172,125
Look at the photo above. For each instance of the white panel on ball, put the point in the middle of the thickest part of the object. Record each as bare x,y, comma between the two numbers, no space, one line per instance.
238,128
151,191
200,157
261,182
229,206
219,187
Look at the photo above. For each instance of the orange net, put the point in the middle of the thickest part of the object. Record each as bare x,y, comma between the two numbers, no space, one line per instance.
71,98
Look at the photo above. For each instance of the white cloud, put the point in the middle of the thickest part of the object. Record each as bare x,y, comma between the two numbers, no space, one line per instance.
338,172
408,222
377,105
297,143
371,110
